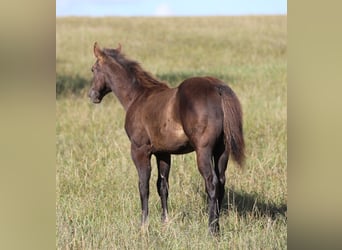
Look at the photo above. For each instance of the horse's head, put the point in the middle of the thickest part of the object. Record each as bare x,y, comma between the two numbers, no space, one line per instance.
100,83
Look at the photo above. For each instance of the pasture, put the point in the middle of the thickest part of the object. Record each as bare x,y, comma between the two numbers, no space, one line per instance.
97,197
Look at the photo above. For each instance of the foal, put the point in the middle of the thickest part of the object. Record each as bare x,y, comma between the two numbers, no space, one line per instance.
202,114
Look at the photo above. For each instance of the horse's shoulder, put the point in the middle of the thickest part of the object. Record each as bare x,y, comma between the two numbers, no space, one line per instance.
135,129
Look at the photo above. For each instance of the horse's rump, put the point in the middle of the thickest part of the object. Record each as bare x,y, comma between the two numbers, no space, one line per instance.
206,103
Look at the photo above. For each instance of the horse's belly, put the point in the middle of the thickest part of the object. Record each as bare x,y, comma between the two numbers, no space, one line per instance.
170,138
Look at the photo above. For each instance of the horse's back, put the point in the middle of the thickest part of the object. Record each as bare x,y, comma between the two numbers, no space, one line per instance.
200,89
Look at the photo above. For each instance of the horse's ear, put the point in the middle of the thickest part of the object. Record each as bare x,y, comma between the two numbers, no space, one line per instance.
97,51
119,47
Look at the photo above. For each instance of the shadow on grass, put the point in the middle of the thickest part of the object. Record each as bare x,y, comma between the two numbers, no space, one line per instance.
251,204
71,84
245,204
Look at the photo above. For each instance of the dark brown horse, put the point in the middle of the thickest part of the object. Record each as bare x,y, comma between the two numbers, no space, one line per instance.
202,114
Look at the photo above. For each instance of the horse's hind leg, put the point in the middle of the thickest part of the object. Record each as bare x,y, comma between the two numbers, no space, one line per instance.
221,157
204,162
163,163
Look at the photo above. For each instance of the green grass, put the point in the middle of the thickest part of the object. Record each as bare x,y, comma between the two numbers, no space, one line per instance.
98,205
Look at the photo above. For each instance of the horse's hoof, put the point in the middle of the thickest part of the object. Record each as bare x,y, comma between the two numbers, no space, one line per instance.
214,230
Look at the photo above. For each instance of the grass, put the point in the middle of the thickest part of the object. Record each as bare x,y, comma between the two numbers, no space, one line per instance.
97,204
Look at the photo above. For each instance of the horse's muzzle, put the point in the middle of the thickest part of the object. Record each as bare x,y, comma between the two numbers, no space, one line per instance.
94,96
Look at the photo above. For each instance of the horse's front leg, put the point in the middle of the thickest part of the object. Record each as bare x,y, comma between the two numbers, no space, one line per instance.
141,156
163,163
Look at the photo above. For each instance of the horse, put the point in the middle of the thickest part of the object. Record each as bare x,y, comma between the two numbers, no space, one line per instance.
202,114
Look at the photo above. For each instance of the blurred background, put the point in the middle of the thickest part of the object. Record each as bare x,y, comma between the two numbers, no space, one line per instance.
28,109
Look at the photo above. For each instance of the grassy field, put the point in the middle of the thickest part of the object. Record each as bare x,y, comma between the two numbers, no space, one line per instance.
97,201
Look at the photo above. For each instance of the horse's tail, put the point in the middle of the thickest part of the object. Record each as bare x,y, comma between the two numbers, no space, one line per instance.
233,125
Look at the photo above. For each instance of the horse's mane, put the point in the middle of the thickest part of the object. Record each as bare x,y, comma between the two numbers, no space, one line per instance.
133,68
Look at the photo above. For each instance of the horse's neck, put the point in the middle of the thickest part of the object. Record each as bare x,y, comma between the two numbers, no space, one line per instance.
124,90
